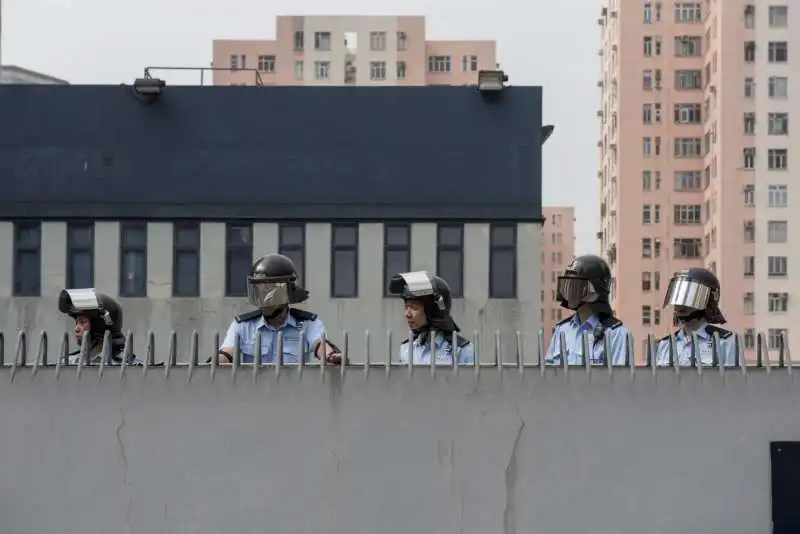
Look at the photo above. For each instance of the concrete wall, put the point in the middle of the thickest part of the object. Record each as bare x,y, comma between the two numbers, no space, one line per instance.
546,451
212,311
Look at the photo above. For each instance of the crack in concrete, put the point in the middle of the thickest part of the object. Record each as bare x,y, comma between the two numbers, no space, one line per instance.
509,519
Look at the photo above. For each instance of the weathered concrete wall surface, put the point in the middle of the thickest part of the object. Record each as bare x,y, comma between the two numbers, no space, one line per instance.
470,450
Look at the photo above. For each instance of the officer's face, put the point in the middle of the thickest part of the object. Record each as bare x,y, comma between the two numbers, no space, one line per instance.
415,314
81,325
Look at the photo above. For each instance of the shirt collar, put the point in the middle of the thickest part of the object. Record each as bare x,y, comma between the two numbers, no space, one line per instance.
592,322
701,332
288,322
436,343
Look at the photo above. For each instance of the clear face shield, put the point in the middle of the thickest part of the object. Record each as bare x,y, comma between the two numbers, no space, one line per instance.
267,295
575,291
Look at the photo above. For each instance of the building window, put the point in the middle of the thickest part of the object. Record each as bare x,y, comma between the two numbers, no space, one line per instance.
450,257
749,338
646,214
749,157
777,266
401,70
322,70
688,147
749,88
292,244
186,259
750,16
377,70
778,16
687,247
688,181
778,159
647,247
80,255
322,40
396,252
777,196
133,259
688,46
299,70
503,261
749,123
238,62
647,80
439,64
688,114
688,12
749,303
238,258
778,52
778,87
344,261
776,337
688,79
27,259
687,214
469,63
647,281
778,302
749,231
749,269
749,51
266,64
647,312
778,123
777,231
299,41
377,41
402,41
750,195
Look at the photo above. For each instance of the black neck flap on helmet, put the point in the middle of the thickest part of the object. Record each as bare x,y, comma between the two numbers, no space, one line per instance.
435,295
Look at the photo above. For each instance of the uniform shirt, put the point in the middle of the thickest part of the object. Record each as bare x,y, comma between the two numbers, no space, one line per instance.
573,331
74,358
704,352
293,347
443,348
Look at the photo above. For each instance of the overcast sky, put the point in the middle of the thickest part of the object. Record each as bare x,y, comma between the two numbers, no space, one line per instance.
553,44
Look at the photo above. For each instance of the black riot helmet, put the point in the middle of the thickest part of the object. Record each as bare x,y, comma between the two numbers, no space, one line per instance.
586,280
435,294
273,283
103,312
694,294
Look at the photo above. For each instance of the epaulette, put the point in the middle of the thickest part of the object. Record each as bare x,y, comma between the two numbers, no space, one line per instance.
666,338
249,316
404,341
302,315
611,323
74,353
461,341
562,321
723,333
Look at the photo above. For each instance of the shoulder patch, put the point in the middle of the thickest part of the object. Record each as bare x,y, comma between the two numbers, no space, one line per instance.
723,333
302,315
562,321
249,316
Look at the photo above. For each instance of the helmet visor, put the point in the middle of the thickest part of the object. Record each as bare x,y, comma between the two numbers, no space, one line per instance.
574,291
688,293
267,294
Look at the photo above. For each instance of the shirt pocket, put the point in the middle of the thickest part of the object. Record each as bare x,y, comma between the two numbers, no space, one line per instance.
293,346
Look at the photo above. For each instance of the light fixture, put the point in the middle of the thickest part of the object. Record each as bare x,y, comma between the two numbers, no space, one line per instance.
490,81
148,89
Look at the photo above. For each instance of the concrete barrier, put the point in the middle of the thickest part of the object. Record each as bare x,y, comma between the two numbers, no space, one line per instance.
396,449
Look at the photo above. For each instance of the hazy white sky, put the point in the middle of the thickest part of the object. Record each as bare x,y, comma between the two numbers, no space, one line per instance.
553,44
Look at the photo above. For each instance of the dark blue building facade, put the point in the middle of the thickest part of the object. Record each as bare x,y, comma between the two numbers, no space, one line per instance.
276,153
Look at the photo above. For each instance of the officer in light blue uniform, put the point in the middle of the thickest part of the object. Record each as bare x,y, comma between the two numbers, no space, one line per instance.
585,288
694,295
272,287
95,314
428,301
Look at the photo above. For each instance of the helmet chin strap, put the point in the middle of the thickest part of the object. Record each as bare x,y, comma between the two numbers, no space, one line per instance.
696,314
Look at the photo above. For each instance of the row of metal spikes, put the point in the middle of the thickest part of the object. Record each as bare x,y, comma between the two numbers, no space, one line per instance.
21,359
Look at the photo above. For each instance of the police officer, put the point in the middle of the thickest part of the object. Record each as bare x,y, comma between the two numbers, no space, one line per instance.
96,314
272,287
428,301
694,295
584,288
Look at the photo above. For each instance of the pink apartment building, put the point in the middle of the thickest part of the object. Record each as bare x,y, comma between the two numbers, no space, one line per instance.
558,249
361,50
695,153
